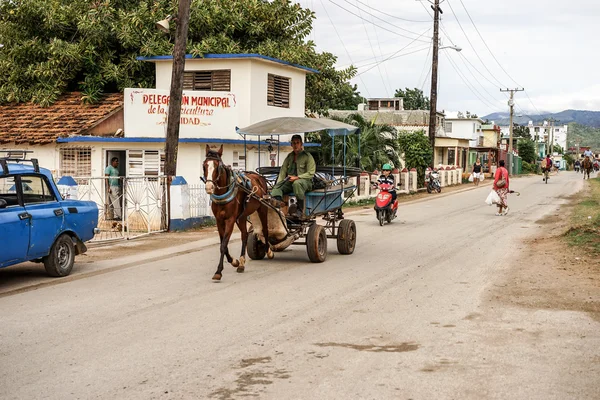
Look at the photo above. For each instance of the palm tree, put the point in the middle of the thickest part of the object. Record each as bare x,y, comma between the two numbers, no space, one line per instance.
378,145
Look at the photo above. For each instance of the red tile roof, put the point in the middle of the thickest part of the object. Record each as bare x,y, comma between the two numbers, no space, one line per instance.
68,116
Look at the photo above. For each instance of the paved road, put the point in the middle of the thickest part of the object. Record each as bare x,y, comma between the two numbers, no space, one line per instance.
403,318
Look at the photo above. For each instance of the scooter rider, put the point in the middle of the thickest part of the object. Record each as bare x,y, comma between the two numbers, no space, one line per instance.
387,177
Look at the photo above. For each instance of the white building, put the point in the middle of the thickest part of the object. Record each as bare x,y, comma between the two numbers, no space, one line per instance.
462,126
544,133
221,92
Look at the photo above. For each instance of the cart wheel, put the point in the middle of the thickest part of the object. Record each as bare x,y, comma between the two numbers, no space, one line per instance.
256,249
316,243
346,237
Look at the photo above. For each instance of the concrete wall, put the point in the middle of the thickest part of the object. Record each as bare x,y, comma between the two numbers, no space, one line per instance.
465,128
249,84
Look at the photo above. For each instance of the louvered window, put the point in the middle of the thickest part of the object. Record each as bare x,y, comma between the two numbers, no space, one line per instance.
219,80
146,163
278,91
76,162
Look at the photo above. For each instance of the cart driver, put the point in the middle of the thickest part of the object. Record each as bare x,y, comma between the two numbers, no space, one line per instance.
295,175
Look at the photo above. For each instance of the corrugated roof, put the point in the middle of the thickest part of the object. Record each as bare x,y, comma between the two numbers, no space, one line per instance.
68,116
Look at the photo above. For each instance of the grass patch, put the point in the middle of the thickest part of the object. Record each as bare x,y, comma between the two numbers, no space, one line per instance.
585,220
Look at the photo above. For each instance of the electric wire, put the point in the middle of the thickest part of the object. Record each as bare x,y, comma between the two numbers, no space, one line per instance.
393,55
343,45
393,16
379,26
385,87
490,51
473,47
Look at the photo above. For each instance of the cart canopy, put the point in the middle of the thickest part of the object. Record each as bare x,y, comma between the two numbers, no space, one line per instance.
297,125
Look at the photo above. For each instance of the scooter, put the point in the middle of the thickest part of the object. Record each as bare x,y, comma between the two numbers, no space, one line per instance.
385,210
433,182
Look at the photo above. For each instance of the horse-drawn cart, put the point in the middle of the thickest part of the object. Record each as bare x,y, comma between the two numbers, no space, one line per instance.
331,188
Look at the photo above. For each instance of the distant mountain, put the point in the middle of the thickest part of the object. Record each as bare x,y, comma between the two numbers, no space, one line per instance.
586,118
583,136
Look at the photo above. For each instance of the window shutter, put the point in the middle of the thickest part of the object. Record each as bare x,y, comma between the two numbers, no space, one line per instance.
278,91
219,80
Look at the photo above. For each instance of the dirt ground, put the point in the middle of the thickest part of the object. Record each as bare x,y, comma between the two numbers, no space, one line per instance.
551,274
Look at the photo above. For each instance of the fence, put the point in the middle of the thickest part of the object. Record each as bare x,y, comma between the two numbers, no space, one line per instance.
199,201
138,206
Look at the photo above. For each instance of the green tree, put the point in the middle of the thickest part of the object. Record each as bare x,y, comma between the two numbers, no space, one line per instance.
346,97
417,152
413,99
51,47
521,131
378,145
527,151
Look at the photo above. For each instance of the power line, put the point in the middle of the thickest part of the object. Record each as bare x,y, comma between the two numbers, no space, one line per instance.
392,56
379,26
363,60
343,45
376,58
390,15
473,47
469,86
376,17
498,62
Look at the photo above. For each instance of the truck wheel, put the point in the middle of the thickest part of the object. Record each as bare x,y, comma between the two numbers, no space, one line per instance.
316,243
61,258
256,248
346,237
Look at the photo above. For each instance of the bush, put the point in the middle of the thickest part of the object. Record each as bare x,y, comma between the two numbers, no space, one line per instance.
531,168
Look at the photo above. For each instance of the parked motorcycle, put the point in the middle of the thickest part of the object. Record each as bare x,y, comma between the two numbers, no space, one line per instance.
433,182
385,210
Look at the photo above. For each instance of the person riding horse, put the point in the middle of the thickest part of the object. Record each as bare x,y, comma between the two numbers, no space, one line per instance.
587,167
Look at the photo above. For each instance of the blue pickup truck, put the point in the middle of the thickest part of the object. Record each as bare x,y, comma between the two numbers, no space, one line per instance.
36,224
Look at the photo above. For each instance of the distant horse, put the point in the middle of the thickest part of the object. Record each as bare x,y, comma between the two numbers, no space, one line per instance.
587,167
232,205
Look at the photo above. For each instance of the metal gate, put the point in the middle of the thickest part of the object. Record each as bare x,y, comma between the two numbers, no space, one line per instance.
138,208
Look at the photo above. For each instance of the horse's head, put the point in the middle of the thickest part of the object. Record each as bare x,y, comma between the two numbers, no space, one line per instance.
213,168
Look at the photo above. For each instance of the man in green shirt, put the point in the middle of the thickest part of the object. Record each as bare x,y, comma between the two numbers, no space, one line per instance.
113,187
296,174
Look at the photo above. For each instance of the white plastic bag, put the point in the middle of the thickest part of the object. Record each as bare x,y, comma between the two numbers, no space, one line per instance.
481,177
471,178
492,198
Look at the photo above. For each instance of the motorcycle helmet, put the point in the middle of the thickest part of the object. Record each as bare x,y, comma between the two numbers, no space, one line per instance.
386,167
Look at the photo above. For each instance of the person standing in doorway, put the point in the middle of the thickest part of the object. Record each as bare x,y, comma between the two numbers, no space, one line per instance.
477,172
113,186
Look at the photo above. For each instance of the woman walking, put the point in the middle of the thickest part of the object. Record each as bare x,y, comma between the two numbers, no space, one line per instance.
476,172
501,185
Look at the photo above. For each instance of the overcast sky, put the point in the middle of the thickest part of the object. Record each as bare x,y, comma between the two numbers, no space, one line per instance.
549,47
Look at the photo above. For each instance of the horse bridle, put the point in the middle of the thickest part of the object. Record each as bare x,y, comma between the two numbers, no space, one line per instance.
220,168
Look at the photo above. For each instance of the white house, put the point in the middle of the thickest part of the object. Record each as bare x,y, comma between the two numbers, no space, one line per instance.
544,133
221,92
464,126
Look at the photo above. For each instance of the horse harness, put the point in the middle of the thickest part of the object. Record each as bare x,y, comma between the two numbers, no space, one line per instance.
235,180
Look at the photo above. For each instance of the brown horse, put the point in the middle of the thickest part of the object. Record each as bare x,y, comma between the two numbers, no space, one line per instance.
232,205
587,166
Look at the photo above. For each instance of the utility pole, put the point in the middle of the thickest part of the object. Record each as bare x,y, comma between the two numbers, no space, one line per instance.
511,104
551,121
174,115
434,77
